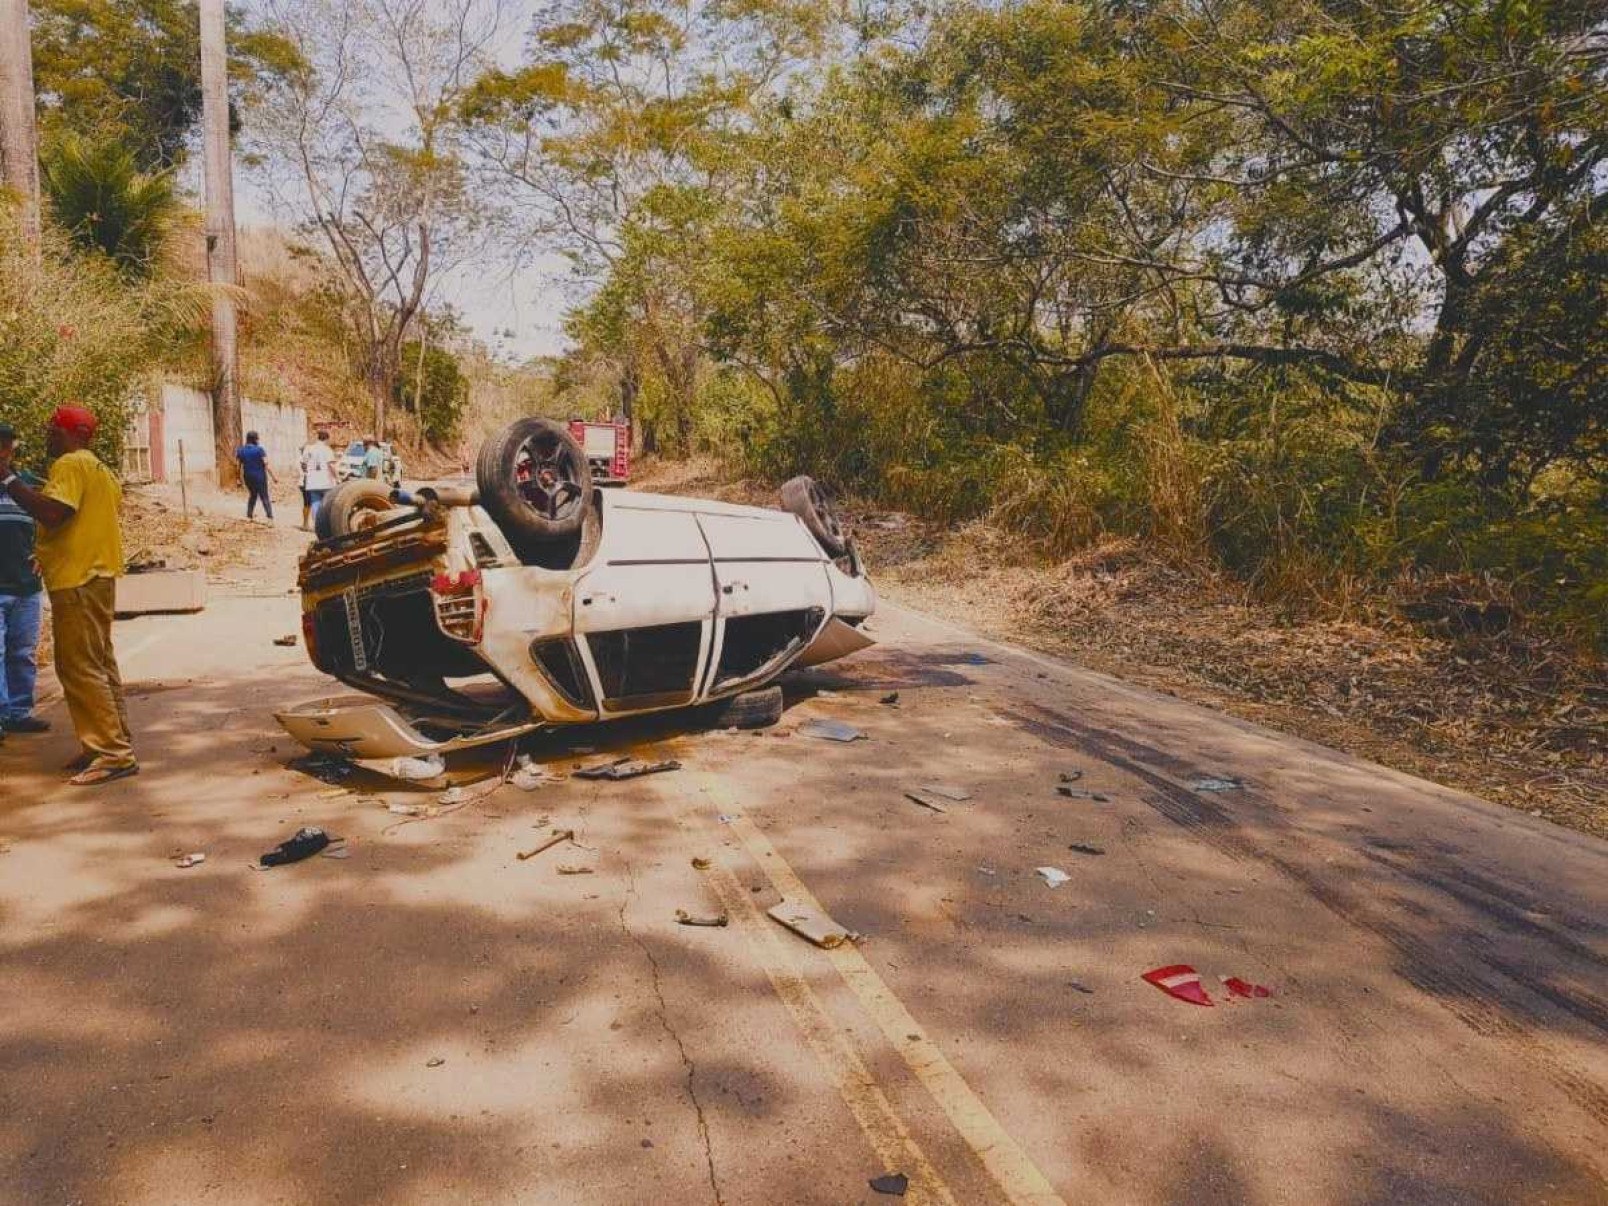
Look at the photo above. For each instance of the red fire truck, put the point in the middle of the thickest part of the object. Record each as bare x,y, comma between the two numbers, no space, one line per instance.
607,447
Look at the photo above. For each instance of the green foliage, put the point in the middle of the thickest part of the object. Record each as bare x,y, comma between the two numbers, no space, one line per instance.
105,204
72,330
435,391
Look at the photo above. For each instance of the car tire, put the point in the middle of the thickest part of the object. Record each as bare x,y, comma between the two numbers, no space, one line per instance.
530,515
750,710
805,497
350,506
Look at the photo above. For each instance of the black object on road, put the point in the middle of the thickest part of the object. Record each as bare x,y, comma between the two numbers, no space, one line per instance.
304,844
893,1183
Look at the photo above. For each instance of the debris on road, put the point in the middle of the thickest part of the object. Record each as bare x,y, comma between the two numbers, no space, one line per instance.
1071,776
725,818
1086,848
305,843
288,641
890,700
1216,784
531,775
701,864
920,797
947,791
569,869
563,835
830,730
717,921
406,810
1241,988
627,768
1080,987
1053,876
453,795
191,860
415,769
326,768
894,1184
810,923
1179,981
986,871
1083,793
434,1061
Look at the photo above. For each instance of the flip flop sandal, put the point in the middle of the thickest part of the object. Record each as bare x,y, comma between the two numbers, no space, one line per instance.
98,776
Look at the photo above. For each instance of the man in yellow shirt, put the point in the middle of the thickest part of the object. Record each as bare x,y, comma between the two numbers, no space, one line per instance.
80,554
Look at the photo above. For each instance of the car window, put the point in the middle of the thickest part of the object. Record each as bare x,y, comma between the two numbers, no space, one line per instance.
355,448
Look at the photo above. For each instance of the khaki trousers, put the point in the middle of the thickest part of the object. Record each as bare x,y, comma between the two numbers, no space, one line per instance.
86,668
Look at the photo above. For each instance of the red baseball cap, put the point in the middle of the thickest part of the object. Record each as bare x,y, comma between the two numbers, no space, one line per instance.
76,419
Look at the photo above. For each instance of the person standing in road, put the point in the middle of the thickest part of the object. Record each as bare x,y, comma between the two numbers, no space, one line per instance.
318,476
22,606
80,555
253,458
373,458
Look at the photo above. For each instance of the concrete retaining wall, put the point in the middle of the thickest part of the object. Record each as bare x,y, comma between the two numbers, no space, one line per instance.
177,412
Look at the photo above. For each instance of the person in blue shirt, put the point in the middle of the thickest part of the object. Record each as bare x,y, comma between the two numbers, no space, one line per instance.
22,603
253,458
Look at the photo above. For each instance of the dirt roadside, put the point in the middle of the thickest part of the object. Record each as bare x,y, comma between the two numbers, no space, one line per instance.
1512,718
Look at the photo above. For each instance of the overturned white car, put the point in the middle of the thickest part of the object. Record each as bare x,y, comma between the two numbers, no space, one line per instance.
535,600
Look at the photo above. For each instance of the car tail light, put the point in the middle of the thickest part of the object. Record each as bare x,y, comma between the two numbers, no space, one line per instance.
310,635
460,606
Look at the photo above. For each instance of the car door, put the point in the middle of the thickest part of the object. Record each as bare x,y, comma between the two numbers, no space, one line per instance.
645,611
772,595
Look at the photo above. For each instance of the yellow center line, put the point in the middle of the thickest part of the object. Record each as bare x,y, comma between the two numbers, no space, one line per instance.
1018,1178
876,1116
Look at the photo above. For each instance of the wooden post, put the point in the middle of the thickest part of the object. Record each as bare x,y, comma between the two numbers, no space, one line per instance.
19,145
222,269
184,486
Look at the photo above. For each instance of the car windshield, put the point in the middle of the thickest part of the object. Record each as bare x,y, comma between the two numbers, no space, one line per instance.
355,448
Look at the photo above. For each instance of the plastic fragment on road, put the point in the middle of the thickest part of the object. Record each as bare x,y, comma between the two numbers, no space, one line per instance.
1083,793
405,810
701,864
569,869
830,730
947,791
1086,848
1216,783
718,921
1181,982
453,795
1243,988
1053,876
415,769
810,923
191,860
919,796
287,641
304,843
725,818
893,1184
890,700
530,775
434,1061
626,768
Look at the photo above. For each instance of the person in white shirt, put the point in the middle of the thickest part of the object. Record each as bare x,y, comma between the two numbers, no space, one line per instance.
317,476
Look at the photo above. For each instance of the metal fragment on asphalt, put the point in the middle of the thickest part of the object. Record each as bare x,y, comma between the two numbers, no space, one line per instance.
1053,876
830,730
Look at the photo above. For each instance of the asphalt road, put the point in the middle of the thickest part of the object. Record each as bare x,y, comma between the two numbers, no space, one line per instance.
433,1020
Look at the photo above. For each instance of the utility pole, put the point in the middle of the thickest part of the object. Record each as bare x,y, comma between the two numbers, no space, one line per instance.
19,148
218,178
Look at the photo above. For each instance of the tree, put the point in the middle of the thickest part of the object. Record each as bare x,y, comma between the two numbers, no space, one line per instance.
101,199
359,137
434,388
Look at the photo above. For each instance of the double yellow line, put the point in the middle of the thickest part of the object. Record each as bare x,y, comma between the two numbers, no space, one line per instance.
1019,1180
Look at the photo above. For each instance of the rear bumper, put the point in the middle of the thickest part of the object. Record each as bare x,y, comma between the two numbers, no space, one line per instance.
360,726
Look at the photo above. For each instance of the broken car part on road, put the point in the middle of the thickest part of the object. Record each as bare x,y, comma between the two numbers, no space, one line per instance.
467,616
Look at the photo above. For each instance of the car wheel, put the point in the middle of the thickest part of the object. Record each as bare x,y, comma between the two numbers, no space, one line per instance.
804,497
352,506
750,710
535,482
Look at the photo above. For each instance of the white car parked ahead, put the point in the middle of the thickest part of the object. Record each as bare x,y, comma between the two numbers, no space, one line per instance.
473,616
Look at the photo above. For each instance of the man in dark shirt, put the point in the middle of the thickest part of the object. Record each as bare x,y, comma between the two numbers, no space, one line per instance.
22,604
253,458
